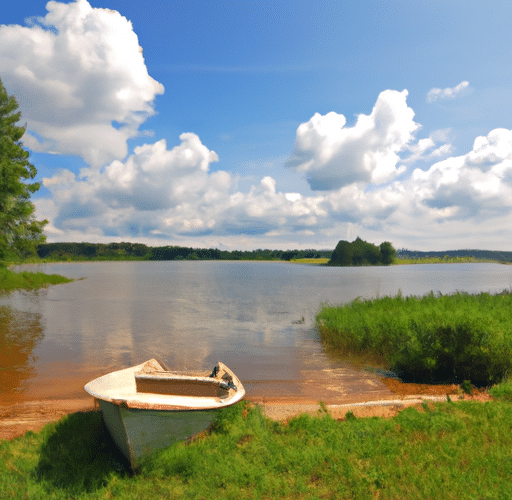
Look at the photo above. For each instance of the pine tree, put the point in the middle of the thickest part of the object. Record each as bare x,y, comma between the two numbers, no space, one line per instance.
20,233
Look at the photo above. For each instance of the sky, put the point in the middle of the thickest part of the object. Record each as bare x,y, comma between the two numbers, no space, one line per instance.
281,125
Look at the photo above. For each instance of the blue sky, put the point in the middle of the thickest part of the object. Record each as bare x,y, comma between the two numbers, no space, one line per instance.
244,125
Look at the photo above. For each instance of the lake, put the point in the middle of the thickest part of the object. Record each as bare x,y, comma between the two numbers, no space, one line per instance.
256,317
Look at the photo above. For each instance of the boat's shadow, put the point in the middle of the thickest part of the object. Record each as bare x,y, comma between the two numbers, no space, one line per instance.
79,455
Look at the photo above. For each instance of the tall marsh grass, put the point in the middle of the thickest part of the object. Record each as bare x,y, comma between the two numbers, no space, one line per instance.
447,259
433,338
9,280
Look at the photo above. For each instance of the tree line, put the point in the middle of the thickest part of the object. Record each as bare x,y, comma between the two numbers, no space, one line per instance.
139,251
498,255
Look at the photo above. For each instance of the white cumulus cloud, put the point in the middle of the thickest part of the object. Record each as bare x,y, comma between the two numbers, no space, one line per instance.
170,193
428,148
80,78
333,155
476,185
448,93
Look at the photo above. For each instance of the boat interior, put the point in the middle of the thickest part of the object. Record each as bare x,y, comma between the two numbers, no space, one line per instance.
153,378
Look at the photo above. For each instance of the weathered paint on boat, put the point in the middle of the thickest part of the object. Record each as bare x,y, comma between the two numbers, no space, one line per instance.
143,422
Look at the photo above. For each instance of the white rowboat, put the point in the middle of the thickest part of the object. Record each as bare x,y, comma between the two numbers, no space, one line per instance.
146,407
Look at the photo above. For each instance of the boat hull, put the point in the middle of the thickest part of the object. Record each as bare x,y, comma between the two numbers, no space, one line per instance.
138,433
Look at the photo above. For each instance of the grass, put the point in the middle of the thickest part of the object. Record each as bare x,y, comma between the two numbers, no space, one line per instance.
433,338
9,280
420,260
443,260
319,261
451,450
503,390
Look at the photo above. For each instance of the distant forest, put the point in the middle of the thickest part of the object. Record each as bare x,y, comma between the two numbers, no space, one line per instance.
477,254
139,251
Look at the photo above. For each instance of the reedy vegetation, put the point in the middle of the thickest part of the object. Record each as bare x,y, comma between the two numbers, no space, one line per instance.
9,280
446,260
447,450
433,338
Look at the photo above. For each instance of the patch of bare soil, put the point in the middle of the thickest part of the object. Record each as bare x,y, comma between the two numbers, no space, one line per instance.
408,389
403,389
19,418
406,395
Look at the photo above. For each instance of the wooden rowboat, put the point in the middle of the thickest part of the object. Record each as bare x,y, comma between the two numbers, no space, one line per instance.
146,407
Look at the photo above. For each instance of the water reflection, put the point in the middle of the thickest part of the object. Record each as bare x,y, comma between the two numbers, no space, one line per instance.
20,333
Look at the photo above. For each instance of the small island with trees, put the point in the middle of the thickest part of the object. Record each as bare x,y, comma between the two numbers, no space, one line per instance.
362,253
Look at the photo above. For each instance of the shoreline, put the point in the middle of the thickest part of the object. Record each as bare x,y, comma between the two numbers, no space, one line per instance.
33,415
19,418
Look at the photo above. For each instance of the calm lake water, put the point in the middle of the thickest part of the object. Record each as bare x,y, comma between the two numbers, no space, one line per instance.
192,314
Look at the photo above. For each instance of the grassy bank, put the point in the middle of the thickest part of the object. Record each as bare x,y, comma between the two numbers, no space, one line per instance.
316,262
450,450
445,260
9,280
434,338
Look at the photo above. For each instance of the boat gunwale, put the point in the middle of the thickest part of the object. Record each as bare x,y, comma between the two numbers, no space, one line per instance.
162,402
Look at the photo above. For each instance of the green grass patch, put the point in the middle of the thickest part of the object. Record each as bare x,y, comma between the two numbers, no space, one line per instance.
448,450
429,339
503,390
319,261
444,260
9,280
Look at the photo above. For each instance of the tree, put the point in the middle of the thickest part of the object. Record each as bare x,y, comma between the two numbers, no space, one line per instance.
20,233
364,253
342,255
387,253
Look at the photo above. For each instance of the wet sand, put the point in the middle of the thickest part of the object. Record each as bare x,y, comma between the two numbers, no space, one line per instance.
341,390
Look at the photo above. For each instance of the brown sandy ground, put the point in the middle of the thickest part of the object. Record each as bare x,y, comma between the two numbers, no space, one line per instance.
406,395
18,418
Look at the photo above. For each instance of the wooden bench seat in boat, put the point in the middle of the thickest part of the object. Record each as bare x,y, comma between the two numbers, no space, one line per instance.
169,383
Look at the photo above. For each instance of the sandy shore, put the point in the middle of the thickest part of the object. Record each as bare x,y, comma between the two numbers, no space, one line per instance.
401,396
18,418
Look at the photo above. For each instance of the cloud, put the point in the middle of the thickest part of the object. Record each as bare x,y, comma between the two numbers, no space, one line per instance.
160,194
448,93
171,193
332,155
80,79
477,185
460,202
459,199
153,178
424,148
